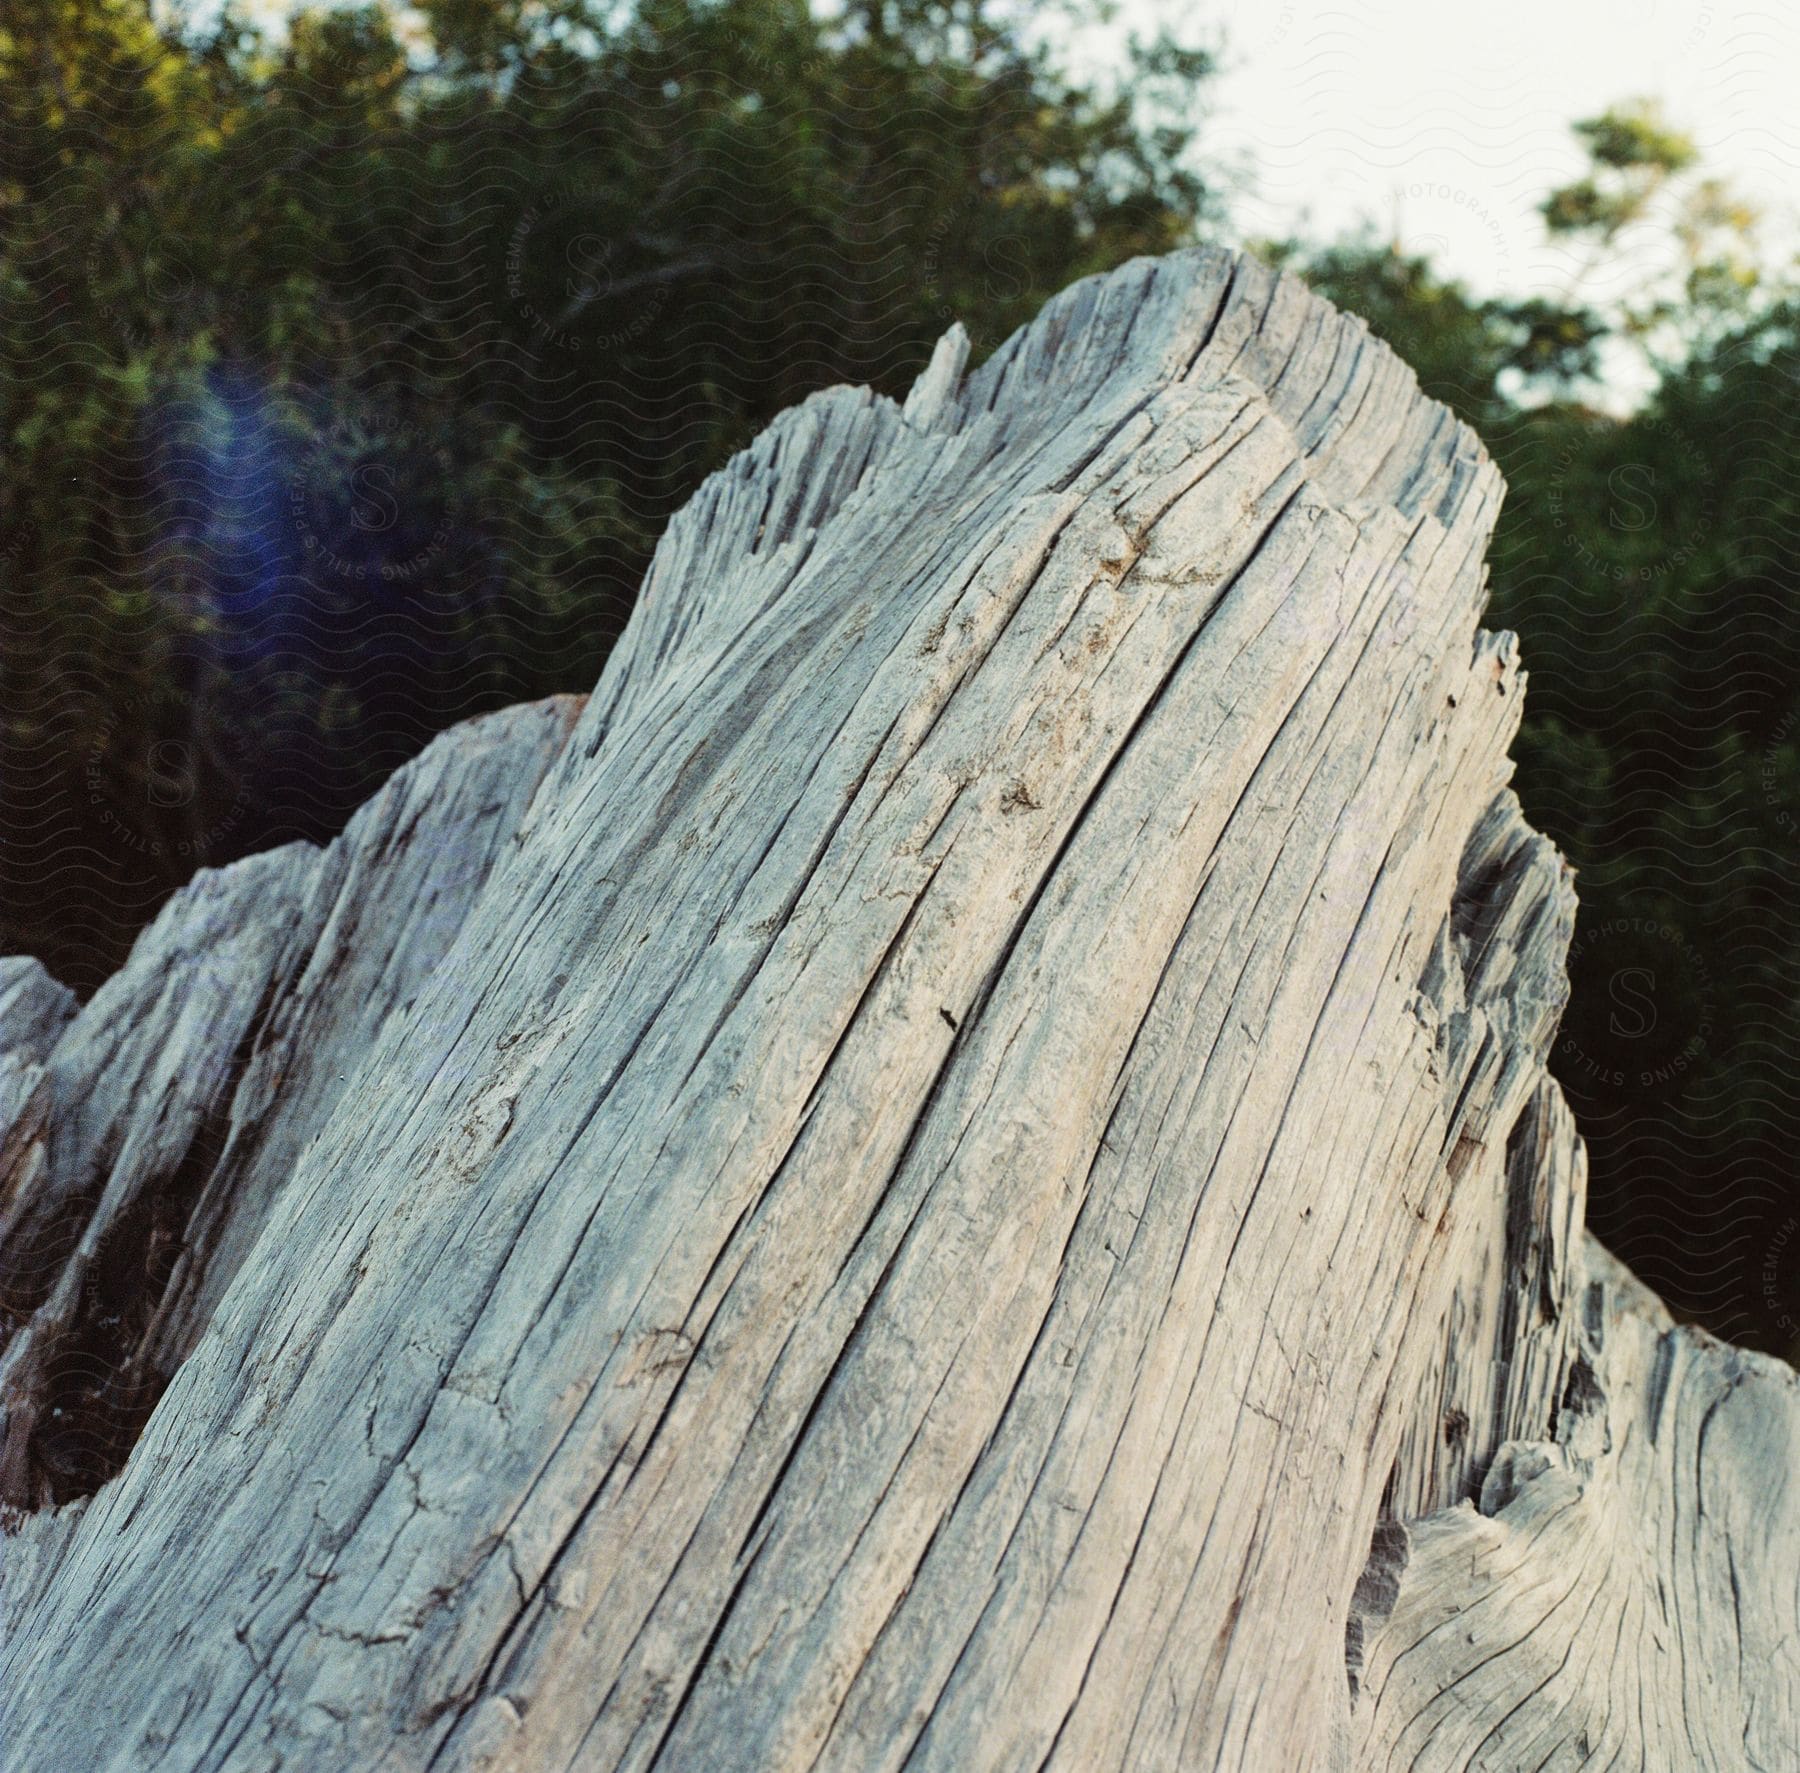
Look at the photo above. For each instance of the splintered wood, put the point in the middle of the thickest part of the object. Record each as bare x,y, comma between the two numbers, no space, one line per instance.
962,1179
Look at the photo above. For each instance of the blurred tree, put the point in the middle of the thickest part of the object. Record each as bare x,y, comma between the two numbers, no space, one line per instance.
1647,562
1677,246
347,375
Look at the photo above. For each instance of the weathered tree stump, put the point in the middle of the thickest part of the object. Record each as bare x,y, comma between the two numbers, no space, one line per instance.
956,1172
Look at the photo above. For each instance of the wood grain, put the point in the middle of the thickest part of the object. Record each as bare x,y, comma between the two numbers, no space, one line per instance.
972,1183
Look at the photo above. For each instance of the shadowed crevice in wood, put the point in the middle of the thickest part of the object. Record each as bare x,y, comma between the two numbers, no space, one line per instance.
972,1144
138,1172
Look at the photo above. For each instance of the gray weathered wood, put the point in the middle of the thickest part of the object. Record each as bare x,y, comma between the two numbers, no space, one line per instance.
157,1129
973,1185
34,1010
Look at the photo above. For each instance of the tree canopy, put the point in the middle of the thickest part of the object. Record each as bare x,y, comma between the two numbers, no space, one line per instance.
1647,562
348,377
349,373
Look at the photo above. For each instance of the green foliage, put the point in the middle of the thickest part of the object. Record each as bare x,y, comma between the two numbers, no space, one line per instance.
1647,562
1683,242
347,378
1634,154
1634,138
1455,344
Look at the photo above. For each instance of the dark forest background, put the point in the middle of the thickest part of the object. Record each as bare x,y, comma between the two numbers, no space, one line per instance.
349,374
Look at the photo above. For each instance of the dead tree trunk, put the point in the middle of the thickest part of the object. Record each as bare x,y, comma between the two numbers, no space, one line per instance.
956,1172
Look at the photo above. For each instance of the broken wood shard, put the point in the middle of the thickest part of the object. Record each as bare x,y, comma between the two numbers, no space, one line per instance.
962,1175
149,1140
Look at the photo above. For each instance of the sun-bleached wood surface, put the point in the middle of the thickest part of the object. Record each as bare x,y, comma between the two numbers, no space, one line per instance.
959,1176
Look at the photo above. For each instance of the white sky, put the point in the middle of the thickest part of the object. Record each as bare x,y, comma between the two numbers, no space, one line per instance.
1454,118
1449,121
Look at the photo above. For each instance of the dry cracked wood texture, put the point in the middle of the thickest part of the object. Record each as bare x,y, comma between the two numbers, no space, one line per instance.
955,1172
